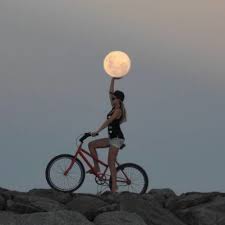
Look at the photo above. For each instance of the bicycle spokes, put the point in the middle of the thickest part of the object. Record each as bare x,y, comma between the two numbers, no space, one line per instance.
131,177
56,177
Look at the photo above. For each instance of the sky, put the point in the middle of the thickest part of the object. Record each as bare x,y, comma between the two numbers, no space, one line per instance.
53,87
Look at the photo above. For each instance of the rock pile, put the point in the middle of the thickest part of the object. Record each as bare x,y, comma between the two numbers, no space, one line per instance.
157,207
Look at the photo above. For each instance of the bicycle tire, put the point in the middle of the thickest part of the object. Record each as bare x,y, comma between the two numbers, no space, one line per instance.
134,166
54,185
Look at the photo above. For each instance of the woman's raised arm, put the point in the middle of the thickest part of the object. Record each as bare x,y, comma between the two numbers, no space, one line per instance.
111,90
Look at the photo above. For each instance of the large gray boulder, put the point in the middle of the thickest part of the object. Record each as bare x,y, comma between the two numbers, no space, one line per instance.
30,204
63,217
117,197
2,202
191,199
52,194
8,194
87,205
119,218
108,208
161,196
153,214
210,213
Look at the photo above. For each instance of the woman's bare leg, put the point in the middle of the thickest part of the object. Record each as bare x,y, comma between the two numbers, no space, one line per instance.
113,151
99,143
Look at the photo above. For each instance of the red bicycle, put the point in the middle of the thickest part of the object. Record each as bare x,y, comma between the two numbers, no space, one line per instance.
66,173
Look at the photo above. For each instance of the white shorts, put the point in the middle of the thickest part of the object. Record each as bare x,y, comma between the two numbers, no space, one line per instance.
116,142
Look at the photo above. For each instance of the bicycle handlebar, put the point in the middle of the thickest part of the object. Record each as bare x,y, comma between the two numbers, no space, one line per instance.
86,135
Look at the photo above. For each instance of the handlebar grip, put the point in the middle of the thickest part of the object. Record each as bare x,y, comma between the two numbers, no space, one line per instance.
85,136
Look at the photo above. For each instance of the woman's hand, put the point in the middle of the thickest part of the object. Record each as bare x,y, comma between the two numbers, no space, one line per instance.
95,133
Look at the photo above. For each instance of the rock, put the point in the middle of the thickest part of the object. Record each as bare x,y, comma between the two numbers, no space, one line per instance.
162,196
3,189
2,202
119,218
151,213
108,208
87,205
30,204
52,194
110,197
210,213
46,204
191,199
62,217
117,197
157,207
7,194
165,192
21,207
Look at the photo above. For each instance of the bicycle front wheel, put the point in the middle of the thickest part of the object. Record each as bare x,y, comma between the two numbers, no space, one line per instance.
55,177
130,177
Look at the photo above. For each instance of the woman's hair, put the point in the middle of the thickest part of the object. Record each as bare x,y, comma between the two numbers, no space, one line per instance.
124,112
120,95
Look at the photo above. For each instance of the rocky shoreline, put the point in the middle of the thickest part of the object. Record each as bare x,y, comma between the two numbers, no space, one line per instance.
157,207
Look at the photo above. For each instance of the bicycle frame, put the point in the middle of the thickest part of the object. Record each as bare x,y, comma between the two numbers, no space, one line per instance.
120,177
80,151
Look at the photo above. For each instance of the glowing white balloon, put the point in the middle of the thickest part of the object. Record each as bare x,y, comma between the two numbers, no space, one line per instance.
117,64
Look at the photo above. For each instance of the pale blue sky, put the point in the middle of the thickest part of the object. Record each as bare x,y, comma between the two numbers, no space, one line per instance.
53,87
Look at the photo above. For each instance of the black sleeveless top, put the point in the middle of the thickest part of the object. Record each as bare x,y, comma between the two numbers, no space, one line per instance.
114,127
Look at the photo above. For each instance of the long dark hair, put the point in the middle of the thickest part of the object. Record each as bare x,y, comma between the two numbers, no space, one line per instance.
120,95
124,112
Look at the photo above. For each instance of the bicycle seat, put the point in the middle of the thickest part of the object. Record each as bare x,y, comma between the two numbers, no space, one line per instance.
122,146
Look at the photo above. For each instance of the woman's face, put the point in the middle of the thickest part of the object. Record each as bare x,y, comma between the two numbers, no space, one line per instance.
116,101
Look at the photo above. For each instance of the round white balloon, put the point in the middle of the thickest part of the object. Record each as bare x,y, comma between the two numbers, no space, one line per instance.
117,64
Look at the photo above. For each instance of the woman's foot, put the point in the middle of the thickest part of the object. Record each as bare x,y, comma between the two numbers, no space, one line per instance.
90,171
114,189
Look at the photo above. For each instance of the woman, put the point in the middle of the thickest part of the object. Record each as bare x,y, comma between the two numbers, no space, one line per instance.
115,139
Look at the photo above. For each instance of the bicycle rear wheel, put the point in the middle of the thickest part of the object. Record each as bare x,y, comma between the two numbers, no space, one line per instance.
55,177
131,177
